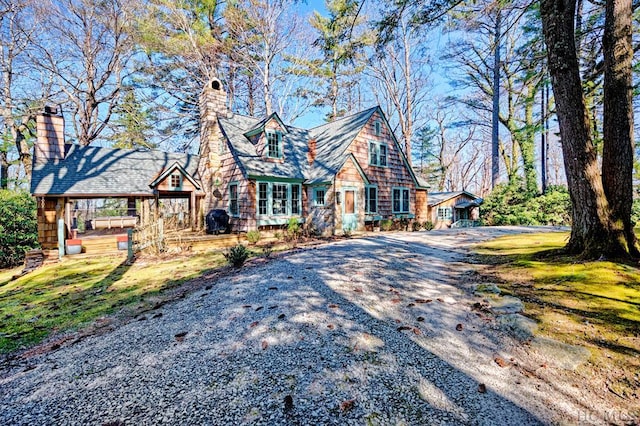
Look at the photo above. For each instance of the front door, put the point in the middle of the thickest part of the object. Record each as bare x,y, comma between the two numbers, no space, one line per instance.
349,210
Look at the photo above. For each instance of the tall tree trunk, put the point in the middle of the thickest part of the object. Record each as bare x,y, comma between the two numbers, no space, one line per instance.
618,148
592,233
495,142
4,170
543,141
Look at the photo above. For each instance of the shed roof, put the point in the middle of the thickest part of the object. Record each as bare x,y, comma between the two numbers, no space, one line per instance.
97,171
435,198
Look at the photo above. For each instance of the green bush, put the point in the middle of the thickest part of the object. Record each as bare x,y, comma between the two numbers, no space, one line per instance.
237,255
18,227
386,225
253,236
510,204
428,225
416,226
293,227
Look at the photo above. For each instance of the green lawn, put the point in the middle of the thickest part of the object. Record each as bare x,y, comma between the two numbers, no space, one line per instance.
592,304
73,293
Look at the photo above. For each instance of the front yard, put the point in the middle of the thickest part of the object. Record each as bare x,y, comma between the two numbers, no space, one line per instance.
71,294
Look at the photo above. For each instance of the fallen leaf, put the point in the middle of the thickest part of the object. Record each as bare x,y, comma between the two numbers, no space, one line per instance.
417,331
180,336
423,300
482,388
411,305
288,403
459,327
404,327
396,301
500,361
420,319
253,324
273,288
333,306
258,308
281,316
265,345
439,299
246,306
358,289
347,405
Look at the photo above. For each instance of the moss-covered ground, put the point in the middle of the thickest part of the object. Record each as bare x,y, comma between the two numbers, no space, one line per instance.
592,304
68,295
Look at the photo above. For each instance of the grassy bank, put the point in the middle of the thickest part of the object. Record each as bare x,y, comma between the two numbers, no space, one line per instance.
75,292
591,304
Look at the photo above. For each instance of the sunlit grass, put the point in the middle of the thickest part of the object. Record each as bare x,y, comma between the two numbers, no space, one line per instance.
592,304
70,294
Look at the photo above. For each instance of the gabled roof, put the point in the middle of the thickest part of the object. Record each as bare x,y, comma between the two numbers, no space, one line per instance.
259,127
294,148
333,140
175,166
96,171
435,198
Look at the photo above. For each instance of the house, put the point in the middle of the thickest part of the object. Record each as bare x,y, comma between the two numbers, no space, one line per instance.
459,208
337,177
65,174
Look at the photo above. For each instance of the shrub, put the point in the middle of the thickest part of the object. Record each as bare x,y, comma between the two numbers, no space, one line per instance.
415,226
293,227
428,225
253,236
510,204
18,227
386,224
237,255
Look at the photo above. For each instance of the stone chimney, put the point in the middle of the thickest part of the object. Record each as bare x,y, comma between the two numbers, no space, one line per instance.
49,144
213,105
311,153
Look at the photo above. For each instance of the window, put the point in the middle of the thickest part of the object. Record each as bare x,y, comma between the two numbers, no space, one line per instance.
234,210
274,144
400,200
279,197
377,126
295,199
445,213
318,196
263,199
371,199
377,154
175,181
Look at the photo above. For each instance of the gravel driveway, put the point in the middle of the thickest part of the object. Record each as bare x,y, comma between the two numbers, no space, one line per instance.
375,330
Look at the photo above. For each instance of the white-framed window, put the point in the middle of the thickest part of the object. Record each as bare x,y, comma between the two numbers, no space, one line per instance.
274,144
377,126
263,198
371,199
279,199
319,195
400,200
175,181
377,154
234,208
445,213
295,199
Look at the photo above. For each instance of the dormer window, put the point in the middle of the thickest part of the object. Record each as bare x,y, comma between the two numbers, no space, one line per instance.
274,144
175,181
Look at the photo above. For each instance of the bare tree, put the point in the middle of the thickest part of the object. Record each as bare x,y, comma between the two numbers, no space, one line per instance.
87,46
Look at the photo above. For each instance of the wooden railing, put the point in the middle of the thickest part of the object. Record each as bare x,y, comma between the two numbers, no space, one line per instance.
150,236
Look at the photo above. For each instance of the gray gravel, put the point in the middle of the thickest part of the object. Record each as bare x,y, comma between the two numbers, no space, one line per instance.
362,331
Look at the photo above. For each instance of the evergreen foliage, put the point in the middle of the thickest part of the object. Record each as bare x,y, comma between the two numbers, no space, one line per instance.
511,204
18,227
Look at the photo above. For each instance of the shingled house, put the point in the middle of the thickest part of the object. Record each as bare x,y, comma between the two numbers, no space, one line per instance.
335,177
338,176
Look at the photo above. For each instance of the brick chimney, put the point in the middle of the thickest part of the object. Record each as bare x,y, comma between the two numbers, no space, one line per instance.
49,144
311,153
213,105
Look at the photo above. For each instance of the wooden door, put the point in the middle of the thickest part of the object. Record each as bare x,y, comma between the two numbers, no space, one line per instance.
349,213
